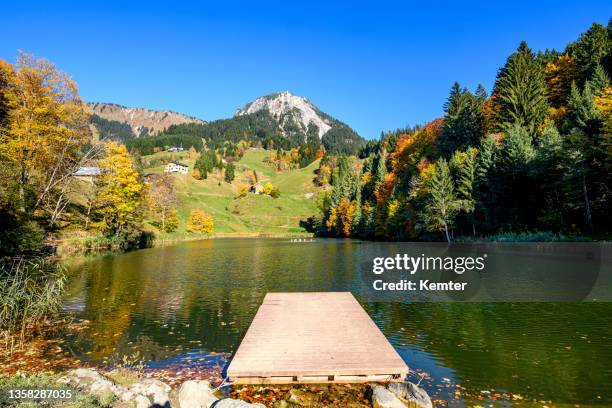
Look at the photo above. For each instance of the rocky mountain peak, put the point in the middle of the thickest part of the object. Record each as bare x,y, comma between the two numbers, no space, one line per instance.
289,110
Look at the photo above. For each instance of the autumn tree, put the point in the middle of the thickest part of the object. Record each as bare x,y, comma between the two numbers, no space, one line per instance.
163,200
119,193
271,190
200,222
559,76
45,127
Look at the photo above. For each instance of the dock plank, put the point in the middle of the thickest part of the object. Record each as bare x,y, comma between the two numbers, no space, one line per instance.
314,335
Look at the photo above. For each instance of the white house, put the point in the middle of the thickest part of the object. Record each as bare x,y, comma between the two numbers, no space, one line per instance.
176,167
88,173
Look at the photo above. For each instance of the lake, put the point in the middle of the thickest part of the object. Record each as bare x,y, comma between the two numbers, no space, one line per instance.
187,307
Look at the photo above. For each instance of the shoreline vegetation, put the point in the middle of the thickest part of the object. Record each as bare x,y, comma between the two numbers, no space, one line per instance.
529,162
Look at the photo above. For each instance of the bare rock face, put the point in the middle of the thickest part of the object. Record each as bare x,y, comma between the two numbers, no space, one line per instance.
140,119
289,110
196,394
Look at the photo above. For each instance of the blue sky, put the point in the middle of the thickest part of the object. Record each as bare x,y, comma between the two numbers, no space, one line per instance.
374,65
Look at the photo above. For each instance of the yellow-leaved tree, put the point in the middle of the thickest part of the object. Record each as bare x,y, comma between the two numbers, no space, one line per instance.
45,125
200,222
118,203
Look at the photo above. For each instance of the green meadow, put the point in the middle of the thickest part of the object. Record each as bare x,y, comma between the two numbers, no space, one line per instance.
255,214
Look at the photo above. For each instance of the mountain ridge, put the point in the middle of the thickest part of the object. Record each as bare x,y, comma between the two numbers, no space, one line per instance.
141,120
275,120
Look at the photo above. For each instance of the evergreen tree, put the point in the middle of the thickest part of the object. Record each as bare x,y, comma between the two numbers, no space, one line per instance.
463,168
599,80
517,148
485,184
516,204
546,169
206,163
583,113
481,93
464,121
442,203
589,51
229,172
520,92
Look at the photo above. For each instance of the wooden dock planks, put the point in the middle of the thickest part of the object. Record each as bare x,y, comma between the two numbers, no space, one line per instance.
314,337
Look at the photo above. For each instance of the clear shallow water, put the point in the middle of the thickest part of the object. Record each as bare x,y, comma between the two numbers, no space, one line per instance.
191,304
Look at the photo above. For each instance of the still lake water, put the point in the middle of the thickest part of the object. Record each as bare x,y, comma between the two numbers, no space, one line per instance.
192,303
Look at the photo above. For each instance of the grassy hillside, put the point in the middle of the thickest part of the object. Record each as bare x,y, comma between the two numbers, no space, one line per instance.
250,215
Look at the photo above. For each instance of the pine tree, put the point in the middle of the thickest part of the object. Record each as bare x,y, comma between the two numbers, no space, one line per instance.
485,184
517,148
481,93
520,92
583,113
599,80
463,165
229,172
464,121
442,203
589,51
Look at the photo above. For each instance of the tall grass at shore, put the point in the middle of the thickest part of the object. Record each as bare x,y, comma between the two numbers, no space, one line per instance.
30,294
535,236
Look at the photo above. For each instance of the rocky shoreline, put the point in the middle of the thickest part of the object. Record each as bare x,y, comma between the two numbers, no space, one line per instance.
146,393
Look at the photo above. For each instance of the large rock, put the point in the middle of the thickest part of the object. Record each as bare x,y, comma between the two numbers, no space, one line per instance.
196,394
383,398
155,390
232,403
412,394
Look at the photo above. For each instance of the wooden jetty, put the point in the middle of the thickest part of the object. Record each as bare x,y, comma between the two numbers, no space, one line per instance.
314,337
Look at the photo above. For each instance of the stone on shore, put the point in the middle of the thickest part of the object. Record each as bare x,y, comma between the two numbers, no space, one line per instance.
411,394
196,394
155,390
383,398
